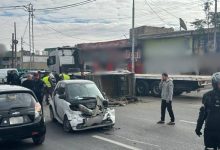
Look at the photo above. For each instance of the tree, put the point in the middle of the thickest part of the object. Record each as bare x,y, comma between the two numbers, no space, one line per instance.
212,19
199,24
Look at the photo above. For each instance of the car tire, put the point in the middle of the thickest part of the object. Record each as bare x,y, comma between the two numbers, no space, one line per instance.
52,114
38,140
66,125
142,88
155,89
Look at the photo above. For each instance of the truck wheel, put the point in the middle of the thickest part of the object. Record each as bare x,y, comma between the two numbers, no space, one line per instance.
142,88
155,89
177,93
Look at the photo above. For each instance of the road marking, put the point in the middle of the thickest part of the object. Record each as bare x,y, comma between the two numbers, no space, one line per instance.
190,122
140,142
115,142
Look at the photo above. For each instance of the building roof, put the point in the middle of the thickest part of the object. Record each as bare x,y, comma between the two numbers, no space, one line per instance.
174,34
125,43
49,49
166,35
12,88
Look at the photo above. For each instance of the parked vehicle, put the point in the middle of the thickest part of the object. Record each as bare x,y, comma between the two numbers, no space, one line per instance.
4,74
79,105
149,83
21,115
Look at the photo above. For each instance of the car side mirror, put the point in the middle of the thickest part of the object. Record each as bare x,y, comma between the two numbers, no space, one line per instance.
63,96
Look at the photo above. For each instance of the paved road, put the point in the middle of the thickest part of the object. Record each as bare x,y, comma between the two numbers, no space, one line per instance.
135,128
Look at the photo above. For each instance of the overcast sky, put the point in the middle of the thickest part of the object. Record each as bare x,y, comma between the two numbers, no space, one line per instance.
101,20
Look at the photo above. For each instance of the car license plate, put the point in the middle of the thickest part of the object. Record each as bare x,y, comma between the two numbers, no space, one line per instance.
16,120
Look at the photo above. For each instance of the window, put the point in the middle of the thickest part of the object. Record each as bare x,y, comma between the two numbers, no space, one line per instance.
14,100
51,60
77,91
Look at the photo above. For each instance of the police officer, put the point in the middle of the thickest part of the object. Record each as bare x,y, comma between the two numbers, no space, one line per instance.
48,88
64,76
210,114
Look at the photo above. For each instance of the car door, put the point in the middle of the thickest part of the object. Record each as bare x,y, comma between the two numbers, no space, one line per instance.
57,102
64,102
61,104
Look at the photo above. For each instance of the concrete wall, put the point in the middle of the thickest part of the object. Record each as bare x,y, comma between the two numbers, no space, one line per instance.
149,30
172,55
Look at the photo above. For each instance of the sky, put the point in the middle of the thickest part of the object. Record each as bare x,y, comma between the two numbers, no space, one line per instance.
101,20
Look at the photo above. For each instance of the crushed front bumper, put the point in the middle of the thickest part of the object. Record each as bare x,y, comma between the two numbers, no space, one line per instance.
79,122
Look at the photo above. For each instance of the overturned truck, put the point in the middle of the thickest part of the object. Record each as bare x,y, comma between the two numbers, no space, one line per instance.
118,86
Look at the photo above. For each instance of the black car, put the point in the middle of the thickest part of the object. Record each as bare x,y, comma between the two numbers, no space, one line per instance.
21,115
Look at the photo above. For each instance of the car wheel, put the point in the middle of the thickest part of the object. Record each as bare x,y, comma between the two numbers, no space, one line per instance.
38,140
155,89
52,114
66,125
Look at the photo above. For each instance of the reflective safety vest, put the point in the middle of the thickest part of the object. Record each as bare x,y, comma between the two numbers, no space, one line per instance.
65,76
46,81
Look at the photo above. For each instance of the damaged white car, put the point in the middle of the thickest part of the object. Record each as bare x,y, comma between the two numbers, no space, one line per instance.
79,105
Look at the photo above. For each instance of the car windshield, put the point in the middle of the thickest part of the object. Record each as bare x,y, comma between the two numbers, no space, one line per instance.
80,91
16,100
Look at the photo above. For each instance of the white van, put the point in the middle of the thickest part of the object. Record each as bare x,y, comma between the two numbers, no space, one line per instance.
4,74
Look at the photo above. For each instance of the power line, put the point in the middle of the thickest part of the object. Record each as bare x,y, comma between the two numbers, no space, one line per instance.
66,6
25,29
167,11
11,7
155,12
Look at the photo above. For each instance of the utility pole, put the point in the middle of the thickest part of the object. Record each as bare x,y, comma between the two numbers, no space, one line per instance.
29,25
12,50
133,39
22,53
215,28
32,21
15,44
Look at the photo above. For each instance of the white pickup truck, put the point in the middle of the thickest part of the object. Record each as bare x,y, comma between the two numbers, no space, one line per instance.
149,83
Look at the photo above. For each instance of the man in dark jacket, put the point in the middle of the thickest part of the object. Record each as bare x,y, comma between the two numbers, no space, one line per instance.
28,83
38,87
210,114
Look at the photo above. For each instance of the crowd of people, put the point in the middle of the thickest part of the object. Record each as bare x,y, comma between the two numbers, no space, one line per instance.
41,86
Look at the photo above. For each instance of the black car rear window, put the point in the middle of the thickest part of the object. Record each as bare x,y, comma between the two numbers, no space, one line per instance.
16,100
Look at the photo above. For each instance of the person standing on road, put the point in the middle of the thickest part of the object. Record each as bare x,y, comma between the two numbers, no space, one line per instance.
64,76
48,88
38,88
29,82
210,114
166,87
